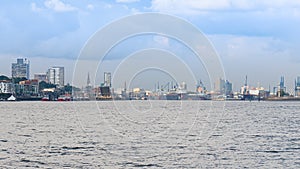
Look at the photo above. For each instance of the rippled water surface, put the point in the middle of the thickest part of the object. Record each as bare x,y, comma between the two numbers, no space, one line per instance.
150,134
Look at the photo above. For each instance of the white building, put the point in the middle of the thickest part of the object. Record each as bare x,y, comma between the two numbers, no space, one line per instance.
56,75
107,79
6,87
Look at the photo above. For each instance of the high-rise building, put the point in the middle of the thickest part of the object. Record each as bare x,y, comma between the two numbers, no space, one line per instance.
21,68
223,87
107,79
56,75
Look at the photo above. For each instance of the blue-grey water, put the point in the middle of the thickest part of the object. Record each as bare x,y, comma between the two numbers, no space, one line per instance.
150,134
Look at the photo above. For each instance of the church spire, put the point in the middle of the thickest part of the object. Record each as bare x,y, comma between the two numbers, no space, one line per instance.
88,80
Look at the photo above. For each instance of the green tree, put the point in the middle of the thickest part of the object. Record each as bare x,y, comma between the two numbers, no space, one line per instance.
69,89
16,80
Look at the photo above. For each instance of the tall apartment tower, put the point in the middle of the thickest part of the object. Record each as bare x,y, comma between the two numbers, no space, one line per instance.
56,75
21,68
107,79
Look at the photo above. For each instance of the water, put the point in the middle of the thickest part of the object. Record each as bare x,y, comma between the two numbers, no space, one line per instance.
150,134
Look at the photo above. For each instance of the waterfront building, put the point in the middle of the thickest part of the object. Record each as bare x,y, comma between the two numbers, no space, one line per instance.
41,77
6,87
21,68
107,79
138,94
56,75
223,87
297,86
183,86
27,88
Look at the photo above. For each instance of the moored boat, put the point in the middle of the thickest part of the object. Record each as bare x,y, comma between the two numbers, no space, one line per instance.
12,98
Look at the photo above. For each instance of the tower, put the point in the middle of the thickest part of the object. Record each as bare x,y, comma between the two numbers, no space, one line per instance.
107,79
281,89
21,68
281,82
56,75
88,82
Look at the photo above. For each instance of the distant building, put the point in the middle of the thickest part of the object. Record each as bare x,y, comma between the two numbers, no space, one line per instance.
41,77
280,90
297,86
6,87
89,88
223,87
183,86
107,79
200,88
27,88
56,75
21,68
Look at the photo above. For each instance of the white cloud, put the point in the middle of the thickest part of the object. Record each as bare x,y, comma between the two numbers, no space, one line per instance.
188,6
108,6
90,7
195,7
263,59
58,6
35,8
126,1
134,11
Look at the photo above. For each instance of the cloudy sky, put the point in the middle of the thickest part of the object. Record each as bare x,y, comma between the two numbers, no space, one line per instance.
258,38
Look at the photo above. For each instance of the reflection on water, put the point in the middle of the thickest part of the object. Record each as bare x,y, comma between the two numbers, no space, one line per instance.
145,134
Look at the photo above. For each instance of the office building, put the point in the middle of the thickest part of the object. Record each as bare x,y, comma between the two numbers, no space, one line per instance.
56,75
21,68
223,87
107,79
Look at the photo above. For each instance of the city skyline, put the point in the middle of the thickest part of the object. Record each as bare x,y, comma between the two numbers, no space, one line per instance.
218,85
55,75
258,39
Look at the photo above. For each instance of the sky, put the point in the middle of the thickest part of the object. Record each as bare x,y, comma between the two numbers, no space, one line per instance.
257,38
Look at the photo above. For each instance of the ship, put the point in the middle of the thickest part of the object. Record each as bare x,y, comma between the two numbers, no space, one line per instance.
173,96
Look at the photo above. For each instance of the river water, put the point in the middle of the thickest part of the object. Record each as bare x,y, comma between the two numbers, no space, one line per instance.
150,134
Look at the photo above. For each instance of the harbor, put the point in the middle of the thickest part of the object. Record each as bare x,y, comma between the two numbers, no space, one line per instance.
32,90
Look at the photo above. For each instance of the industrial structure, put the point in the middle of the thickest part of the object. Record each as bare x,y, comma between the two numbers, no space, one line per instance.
280,90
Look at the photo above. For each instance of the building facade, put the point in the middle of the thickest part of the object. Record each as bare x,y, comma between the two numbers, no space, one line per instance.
297,87
27,88
6,87
41,77
56,75
223,87
20,69
107,79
